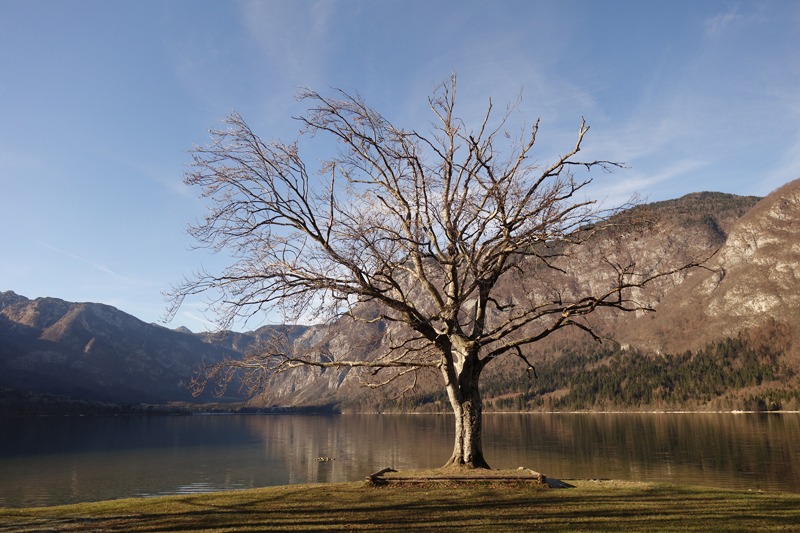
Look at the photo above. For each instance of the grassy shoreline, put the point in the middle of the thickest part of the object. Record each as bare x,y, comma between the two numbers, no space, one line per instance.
486,506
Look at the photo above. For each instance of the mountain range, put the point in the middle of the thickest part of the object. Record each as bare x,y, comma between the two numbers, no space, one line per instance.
751,280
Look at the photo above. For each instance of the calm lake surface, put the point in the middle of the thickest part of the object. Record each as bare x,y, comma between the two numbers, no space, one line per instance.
56,460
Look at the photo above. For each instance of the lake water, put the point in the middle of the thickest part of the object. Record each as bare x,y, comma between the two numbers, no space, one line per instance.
56,460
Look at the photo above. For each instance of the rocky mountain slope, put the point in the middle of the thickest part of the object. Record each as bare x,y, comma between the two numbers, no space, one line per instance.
753,278
753,281
95,351
691,227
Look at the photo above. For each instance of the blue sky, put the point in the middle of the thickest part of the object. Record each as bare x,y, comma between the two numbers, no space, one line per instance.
99,102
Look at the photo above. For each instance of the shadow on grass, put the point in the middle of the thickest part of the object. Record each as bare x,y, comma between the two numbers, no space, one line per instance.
432,507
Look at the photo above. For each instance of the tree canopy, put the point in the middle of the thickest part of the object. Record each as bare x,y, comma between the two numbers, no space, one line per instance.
456,237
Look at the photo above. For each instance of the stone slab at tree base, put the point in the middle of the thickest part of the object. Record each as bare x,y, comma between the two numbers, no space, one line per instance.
390,475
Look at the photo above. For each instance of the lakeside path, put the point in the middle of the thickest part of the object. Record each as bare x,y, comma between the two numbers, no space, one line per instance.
589,506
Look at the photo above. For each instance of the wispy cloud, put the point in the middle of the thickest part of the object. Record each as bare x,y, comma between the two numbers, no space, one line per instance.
718,24
95,265
787,166
192,316
278,27
618,191
643,135
787,169
735,19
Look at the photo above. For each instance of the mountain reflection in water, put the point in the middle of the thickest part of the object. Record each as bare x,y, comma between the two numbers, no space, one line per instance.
56,460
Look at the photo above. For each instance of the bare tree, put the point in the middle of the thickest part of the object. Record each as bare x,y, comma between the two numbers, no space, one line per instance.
424,227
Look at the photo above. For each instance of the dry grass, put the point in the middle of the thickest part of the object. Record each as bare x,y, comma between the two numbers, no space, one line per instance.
485,506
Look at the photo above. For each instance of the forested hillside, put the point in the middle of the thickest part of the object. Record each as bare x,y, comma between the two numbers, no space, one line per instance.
746,373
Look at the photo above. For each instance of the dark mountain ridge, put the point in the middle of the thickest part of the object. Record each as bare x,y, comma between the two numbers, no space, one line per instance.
95,351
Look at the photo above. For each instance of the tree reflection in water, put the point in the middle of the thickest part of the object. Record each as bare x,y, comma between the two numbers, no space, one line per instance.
53,460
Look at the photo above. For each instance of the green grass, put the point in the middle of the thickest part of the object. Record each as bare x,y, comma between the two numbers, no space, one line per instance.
590,506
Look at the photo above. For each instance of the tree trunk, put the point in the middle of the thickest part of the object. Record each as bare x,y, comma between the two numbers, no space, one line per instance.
465,399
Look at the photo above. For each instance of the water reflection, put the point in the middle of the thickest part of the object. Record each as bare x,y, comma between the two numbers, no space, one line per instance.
52,460
758,451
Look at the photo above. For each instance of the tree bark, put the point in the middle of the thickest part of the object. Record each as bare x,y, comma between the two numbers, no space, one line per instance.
465,399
